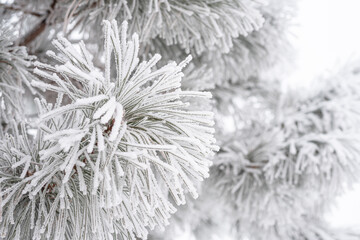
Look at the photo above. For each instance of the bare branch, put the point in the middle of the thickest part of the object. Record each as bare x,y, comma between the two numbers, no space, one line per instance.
37,30
18,8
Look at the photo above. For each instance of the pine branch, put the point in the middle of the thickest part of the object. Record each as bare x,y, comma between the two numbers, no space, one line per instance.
295,164
109,158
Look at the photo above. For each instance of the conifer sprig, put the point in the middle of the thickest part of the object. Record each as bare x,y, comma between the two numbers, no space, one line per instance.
111,155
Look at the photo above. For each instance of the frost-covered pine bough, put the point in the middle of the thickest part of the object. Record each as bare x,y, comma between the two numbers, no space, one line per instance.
172,27
263,52
102,165
295,164
192,24
281,170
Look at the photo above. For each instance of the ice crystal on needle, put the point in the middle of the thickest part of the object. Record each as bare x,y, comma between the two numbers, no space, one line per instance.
112,155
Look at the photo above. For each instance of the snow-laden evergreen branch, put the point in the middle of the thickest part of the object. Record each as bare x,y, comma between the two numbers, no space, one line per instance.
196,25
290,155
294,163
193,24
105,162
261,51
257,56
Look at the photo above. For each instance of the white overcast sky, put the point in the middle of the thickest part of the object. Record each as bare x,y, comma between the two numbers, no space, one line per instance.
328,36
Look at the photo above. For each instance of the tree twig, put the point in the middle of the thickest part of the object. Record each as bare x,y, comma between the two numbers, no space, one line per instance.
34,33
37,30
15,8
